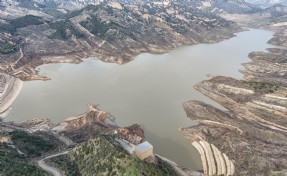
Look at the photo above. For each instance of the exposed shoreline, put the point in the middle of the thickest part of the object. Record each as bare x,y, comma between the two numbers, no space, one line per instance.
227,169
28,71
178,126
256,108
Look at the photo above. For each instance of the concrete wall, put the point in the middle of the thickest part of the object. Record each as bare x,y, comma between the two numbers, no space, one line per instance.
145,154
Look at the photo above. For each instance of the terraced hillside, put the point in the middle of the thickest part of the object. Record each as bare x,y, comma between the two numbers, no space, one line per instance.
251,136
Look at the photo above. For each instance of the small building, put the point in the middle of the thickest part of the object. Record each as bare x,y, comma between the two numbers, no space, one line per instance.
144,150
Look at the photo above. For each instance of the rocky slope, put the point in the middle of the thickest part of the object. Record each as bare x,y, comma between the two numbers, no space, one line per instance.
101,155
267,3
214,6
272,18
267,67
105,31
249,138
46,8
233,7
251,135
274,11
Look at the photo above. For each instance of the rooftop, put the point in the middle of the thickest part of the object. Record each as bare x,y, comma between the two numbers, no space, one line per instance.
144,146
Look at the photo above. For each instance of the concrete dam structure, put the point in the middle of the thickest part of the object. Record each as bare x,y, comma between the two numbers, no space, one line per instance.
10,87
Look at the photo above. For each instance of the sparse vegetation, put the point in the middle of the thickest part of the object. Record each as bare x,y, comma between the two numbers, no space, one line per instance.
262,87
96,26
99,28
64,30
126,29
53,12
6,44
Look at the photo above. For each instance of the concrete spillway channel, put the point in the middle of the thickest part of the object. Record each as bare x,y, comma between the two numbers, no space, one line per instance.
209,156
214,162
221,168
202,156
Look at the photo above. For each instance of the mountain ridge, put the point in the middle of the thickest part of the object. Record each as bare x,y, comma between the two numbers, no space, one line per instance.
104,31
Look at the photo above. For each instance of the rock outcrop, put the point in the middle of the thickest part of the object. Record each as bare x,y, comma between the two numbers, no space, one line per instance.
133,134
94,115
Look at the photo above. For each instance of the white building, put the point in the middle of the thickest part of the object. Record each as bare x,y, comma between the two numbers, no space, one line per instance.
144,150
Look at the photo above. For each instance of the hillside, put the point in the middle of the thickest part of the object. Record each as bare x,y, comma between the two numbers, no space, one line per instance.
247,137
102,155
105,31
83,145
274,11
271,17
18,153
267,3
12,163
213,6
234,7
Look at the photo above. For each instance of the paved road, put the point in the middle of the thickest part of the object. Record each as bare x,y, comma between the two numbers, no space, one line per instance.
64,139
54,171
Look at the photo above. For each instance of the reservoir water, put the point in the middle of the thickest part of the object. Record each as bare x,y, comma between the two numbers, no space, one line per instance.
149,90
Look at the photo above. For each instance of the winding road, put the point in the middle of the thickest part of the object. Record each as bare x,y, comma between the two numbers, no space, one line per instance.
54,171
